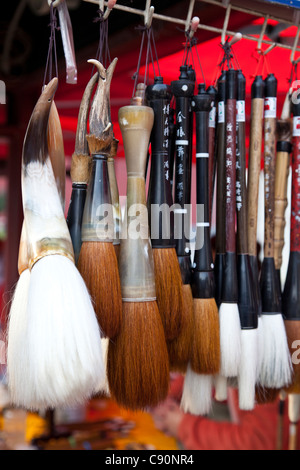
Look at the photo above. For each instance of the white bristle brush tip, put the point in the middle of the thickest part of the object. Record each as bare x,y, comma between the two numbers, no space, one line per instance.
248,369
197,393
220,383
276,366
230,339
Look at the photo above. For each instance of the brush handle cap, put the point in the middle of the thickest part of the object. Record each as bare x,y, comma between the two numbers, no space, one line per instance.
291,292
270,289
184,87
191,73
296,107
271,86
231,84
258,88
241,86
246,303
284,146
221,87
158,91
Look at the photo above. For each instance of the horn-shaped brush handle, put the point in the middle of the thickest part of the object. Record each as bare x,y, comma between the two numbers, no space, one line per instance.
159,192
256,133
136,265
269,162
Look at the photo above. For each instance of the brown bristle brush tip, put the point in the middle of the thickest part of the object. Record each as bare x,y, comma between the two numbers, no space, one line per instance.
137,361
168,284
206,353
292,328
284,130
179,349
98,266
265,395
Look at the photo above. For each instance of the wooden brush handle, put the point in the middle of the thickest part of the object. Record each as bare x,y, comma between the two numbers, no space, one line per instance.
269,162
220,153
269,184
211,146
281,202
256,132
295,210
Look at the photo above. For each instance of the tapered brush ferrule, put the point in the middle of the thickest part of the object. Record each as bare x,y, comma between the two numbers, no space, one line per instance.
185,268
203,284
258,88
97,221
230,281
269,286
75,214
246,302
291,292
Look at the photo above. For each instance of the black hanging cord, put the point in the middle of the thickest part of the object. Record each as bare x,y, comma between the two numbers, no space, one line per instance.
103,54
52,46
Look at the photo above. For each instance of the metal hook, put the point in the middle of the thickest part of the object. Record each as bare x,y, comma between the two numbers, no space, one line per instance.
225,24
148,14
109,8
263,30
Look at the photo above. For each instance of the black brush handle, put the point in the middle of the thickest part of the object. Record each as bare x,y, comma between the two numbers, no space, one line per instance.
241,189
171,149
203,285
183,90
159,192
74,217
211,90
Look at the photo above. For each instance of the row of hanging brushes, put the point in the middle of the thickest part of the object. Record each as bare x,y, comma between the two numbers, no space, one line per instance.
156,310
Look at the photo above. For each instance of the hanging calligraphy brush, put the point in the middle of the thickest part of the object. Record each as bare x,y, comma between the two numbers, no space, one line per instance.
219,263
275,369
211,144
97,261
290,296
80,170
230,327
254,167
294,418
161,220
247,304
171,145
284,132
183,90
60,360
138,363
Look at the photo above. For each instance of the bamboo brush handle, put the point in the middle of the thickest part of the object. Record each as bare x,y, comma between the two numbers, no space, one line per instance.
281,202
257,109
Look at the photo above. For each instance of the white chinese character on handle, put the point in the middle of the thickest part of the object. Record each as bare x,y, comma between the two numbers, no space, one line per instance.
180,117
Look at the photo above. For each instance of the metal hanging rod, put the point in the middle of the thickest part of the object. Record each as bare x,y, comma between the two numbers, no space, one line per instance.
213,29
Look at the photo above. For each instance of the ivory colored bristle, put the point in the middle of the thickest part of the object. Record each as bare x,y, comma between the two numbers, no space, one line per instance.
98,266
230,339
180,348
220,383
205,353
197,393
138,362
168,290
248,369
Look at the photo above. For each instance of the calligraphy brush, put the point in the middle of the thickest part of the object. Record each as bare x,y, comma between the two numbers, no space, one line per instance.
80,169
161,218
275,369
183,90
211,142
60,360
97,260
219,262
247,375
17,313
138,363
254,168
291,291
230,327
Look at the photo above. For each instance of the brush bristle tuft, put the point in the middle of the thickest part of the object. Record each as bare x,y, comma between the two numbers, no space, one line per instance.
168,290
230,339
248,369
180,348
138,362
197,393
98,266
206,354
